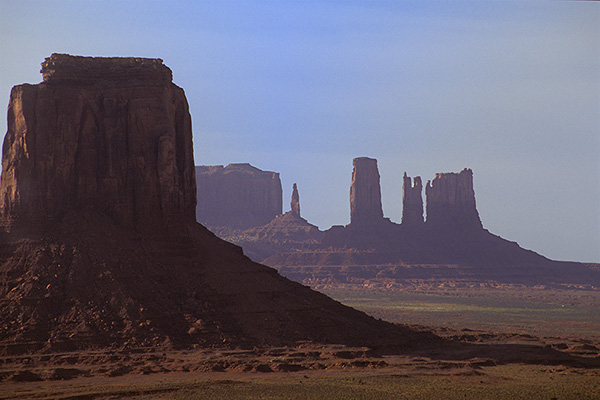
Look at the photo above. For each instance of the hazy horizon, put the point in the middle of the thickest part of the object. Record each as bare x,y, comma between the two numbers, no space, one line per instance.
508,89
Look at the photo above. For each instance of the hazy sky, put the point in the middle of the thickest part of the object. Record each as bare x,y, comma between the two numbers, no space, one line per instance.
510,89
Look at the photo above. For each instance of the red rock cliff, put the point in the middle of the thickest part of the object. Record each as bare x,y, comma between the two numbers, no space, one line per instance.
112,134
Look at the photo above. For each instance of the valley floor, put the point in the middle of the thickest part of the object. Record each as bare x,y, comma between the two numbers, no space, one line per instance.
540,311
403,378
499,319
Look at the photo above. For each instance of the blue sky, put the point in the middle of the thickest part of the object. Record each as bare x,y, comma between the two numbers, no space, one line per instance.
510,89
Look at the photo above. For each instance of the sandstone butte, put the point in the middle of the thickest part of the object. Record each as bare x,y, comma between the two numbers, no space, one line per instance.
98,242
238,196
450,244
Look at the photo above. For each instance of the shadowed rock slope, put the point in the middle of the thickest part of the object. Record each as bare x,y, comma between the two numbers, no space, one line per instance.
99,244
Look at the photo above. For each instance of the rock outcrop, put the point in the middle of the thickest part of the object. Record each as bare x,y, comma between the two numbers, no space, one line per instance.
451,201
412,201
108,134
451,244
93,158
285,232
238,196
295,202
365,192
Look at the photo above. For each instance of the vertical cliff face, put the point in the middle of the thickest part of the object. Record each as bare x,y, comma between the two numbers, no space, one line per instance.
365,192
295,203
412,201
110,134
238,196
451,201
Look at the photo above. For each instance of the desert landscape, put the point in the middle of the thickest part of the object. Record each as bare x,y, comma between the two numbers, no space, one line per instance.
110,288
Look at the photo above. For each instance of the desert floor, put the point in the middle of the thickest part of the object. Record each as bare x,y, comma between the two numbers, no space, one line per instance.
509,319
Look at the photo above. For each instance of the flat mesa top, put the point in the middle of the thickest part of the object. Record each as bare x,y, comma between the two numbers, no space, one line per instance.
68,69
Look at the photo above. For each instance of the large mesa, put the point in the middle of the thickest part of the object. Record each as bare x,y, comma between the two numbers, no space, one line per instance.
110,134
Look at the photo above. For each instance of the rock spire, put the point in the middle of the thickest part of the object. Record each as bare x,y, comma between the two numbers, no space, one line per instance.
412,201
365,192
295,203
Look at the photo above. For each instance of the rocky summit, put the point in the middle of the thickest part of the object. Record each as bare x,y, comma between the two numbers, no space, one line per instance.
98,241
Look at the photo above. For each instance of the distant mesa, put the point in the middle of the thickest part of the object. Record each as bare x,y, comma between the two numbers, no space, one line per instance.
238,196
449,243
451,201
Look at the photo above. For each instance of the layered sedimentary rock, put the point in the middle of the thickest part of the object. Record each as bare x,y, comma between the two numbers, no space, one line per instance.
412,201
109,134
451,201
238,196
92,159
451,245
285,232
365,192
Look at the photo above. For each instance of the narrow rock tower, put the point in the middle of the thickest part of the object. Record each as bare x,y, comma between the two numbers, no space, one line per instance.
295,203
412,201
451,201
365,192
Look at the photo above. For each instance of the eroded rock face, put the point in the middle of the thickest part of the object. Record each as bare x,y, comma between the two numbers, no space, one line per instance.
365,192
412,201
451,201
110,134
238,196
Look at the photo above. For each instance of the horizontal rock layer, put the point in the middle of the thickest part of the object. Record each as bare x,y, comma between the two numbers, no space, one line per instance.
65,69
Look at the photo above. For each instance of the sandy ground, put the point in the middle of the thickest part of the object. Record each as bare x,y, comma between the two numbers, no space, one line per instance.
310,371
542,359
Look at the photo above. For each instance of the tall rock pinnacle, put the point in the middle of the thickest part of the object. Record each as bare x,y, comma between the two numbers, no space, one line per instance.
109,134
365,192
451,201
295,203
412,201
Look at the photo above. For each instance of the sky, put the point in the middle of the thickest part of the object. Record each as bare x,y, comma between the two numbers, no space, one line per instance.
510,89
